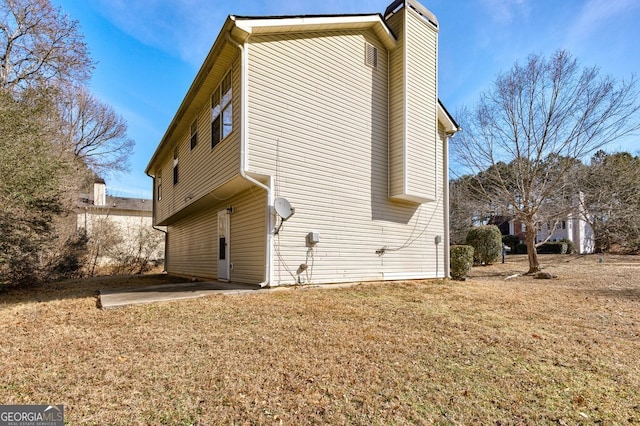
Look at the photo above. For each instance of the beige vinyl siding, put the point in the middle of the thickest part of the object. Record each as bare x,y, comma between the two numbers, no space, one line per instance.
318,123
421,95
413,108
248,236
202,169
192,248
397,117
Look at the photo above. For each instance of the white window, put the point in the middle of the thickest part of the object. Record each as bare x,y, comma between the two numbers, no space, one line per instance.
222,110
159,186
175,165
194,133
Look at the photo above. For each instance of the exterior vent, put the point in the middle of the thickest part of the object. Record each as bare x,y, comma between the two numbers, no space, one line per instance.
371,55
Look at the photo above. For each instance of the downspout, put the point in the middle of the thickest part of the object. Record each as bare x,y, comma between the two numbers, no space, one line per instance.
166,253
153,225
244,132
447,237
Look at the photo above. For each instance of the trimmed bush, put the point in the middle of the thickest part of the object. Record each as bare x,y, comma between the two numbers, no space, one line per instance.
461,261
557,247
486,242
521,249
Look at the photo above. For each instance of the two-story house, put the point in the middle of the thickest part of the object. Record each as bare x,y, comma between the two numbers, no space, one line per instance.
310,149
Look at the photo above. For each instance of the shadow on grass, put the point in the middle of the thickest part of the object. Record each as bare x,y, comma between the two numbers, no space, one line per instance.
81,288
632,294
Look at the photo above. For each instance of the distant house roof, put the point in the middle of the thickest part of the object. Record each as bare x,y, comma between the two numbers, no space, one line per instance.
118,203
134,204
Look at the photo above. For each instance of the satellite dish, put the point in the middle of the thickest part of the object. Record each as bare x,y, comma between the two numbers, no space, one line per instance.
283,208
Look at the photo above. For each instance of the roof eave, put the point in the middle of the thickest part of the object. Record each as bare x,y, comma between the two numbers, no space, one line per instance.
193,90
272,25
243,27
447,120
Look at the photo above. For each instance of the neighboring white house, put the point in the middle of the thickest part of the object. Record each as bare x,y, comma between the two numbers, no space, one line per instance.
122,225
573,229
310,149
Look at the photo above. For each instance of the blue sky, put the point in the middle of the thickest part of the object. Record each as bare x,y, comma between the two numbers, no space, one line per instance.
149,51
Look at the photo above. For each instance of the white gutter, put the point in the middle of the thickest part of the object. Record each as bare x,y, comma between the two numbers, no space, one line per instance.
244,132
447,237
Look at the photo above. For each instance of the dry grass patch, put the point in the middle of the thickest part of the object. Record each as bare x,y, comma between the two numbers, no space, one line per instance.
481,351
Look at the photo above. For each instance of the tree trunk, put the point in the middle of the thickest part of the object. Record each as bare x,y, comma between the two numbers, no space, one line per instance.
532,254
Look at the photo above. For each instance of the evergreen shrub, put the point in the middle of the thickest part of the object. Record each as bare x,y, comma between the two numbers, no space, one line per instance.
486,241
461,261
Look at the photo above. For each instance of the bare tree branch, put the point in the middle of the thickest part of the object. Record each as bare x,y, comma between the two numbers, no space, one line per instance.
526,132
38,43
94,132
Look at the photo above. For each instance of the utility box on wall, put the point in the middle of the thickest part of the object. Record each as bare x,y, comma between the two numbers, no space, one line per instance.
313,238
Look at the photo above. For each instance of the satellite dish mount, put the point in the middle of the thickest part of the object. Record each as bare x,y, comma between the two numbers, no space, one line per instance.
284,210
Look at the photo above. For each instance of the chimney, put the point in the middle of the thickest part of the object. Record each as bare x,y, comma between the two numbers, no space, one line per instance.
413,86
99,193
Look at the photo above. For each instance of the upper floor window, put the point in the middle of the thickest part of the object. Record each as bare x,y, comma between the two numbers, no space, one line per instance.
222,110
175,165
194,133
159,186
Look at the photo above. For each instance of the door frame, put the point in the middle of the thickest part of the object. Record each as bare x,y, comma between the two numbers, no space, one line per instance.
223,245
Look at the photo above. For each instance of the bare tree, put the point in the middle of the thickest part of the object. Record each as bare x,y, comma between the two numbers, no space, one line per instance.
38,44
610,199
49,137
530,123
465,211
122,247
94,132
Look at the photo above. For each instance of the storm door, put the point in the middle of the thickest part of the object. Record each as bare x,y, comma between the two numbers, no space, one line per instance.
223,245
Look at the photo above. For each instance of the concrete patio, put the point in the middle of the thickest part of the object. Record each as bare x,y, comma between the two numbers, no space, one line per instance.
111,299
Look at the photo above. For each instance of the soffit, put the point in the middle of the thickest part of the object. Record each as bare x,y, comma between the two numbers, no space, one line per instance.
246,26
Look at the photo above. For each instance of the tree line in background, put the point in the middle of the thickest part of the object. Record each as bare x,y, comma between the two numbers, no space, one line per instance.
522,146
604,193
55,137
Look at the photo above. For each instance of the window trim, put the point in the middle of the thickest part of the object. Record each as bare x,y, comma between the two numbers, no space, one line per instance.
175,166
159,187
194,134
222,110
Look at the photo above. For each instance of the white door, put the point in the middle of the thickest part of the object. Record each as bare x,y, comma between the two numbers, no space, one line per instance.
223,245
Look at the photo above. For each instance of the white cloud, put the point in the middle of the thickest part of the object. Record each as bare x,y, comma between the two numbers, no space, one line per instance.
595,16
184,28
188,28
506,11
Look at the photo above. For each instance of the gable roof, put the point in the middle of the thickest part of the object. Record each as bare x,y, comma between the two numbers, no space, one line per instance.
241,27
450,125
